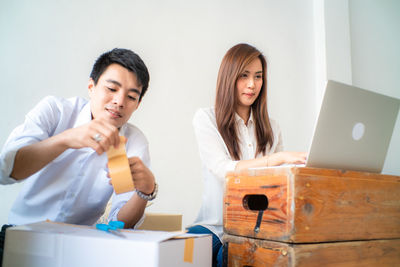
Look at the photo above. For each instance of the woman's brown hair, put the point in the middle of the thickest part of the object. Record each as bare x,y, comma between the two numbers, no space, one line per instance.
233,64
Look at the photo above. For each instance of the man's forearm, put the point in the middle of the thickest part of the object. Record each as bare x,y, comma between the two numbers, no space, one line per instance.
132,211
32,158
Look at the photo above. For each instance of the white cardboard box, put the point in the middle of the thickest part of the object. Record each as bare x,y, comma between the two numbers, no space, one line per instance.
49,244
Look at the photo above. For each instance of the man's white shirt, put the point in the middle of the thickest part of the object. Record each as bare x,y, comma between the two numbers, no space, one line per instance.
74,187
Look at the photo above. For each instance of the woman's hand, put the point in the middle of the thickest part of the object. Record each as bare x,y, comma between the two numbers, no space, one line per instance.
274,159
285,157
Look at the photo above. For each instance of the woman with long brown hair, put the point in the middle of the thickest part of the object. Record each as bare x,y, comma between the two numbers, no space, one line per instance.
235,134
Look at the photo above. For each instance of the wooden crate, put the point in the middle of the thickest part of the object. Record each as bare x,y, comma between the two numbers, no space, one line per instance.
248,252
306,205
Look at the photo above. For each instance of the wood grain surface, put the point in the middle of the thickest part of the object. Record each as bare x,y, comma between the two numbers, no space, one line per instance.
307,205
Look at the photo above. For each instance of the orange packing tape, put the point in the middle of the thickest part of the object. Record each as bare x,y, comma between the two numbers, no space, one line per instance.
118,166
189,247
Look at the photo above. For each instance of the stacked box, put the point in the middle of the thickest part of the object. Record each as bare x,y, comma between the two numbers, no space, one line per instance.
298,216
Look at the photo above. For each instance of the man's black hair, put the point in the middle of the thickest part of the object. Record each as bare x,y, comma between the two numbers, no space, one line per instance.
127,59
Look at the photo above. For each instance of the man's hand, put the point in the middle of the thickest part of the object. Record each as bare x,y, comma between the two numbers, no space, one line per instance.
30,159
96,134
142,177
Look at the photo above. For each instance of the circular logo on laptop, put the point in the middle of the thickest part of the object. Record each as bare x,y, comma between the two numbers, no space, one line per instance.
358,131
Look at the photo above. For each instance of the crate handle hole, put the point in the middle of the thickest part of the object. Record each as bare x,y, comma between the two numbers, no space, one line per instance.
255,202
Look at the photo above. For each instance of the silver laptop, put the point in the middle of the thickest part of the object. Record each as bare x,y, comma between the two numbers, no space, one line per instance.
353,130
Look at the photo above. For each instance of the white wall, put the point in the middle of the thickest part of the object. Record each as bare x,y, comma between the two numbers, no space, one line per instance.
338,44
375,57
362,48
48,47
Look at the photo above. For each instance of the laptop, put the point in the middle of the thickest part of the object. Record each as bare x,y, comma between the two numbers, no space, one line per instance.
353,129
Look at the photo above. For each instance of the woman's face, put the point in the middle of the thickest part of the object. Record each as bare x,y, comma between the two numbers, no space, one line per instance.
249,84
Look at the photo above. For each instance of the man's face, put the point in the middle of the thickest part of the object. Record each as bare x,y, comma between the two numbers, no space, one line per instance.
115,96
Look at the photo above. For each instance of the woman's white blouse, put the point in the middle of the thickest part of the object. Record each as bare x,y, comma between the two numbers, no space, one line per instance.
216,161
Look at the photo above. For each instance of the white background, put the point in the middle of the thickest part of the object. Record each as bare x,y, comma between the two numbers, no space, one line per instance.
48,48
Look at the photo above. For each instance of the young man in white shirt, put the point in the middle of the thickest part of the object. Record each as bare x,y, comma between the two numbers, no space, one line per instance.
60,150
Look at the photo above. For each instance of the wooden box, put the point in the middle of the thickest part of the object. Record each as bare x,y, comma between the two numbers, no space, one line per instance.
248,252
309,205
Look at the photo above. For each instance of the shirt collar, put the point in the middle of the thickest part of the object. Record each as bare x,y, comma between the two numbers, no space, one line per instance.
122,129
85,116
251,119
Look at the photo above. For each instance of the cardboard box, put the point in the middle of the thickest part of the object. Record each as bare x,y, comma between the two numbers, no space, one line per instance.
49,244
309,205
162,222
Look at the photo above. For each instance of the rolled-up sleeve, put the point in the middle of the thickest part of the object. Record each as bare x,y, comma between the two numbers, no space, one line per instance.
38,124
7,163
213,151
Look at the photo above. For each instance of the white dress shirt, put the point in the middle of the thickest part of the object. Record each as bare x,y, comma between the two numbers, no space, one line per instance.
74,187
216,161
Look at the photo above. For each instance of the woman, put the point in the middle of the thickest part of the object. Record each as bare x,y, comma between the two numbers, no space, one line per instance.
236,134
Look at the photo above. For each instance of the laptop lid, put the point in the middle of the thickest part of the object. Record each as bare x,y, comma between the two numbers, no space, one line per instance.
353,129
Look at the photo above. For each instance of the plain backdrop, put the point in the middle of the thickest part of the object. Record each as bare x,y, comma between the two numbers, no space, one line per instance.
48,48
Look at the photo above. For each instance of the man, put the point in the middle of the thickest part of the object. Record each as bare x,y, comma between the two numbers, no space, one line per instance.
59,150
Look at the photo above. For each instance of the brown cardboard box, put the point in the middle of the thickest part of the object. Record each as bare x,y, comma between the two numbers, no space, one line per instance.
152,221
162,222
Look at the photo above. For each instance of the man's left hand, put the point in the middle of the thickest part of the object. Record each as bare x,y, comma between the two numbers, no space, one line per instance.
142,177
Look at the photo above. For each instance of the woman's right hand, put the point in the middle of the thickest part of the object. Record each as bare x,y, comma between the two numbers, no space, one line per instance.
285,157
274,159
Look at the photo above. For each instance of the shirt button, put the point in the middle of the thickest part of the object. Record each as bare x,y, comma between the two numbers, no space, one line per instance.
250,145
